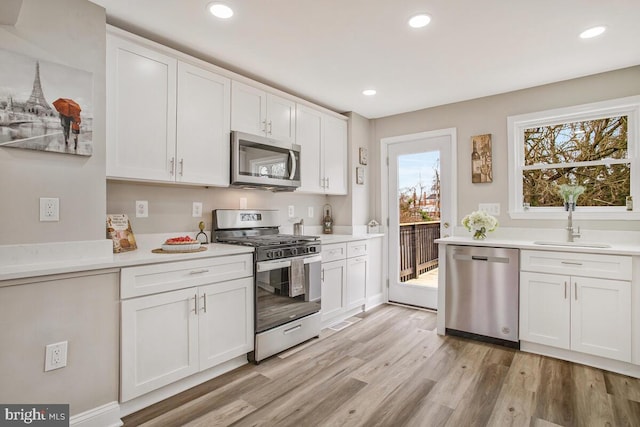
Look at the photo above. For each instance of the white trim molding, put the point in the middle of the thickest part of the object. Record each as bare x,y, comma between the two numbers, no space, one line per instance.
629,106
107,415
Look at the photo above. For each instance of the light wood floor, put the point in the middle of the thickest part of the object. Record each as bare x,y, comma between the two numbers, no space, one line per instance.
390,368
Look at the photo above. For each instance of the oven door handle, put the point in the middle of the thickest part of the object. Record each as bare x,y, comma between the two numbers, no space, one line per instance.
284,263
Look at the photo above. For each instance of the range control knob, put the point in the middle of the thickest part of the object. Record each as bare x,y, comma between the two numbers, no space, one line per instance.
294,251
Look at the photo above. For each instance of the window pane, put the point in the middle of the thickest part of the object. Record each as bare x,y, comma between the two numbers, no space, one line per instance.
605,185
576,142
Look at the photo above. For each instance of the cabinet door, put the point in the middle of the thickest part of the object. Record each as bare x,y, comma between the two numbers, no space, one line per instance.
159,341
545,310
356,281
141,112
601,317
334,137
309,137
226,321
281,119
203,126
248,109
334,276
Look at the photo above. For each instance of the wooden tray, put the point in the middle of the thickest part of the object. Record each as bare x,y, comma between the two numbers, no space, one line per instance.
162,251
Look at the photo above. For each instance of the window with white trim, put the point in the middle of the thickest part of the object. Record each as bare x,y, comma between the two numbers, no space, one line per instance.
595,146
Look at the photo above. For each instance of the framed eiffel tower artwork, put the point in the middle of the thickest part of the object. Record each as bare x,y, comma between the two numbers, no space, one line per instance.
45,106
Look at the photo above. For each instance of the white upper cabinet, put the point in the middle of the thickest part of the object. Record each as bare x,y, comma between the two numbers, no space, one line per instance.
257,112
141,111
323,139
167,120
203,126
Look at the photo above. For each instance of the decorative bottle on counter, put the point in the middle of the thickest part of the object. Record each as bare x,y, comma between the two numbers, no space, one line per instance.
327,221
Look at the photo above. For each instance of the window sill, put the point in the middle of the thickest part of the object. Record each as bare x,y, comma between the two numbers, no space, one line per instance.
539,214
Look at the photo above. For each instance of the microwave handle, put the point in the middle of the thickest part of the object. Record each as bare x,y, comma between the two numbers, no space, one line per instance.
292,157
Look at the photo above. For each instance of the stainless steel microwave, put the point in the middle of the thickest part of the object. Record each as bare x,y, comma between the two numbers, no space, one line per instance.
259,162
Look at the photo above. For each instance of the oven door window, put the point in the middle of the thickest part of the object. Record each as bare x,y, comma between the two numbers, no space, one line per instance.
278,301
266,161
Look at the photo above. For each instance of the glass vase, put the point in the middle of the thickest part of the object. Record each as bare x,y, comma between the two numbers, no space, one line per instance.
480,234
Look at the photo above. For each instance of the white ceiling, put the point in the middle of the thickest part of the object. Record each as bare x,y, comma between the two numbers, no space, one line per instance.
328,51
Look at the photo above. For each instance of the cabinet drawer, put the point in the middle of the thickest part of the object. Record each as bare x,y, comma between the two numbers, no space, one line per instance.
616,267
334,252
151,279
358,248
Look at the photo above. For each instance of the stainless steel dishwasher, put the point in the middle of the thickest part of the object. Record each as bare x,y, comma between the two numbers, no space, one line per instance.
482,288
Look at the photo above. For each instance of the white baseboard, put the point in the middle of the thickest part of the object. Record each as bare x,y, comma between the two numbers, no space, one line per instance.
165,392
374,301
103,416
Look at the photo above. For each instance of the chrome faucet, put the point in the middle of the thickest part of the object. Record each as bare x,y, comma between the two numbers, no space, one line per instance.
571,233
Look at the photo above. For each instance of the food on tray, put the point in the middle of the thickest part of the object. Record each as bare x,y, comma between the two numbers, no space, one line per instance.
185,240
181,244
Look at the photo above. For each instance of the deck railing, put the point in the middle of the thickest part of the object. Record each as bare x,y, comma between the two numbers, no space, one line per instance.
418,252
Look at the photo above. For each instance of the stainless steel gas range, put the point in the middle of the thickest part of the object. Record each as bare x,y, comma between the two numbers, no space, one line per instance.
287,271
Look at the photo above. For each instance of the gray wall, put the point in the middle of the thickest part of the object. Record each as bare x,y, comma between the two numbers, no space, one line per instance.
170,206
489,115
82,310
72,33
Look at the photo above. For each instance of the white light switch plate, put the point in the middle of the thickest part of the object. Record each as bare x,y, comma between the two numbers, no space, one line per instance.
490,208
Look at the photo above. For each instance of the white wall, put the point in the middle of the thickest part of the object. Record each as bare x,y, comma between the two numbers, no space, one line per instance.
489,115
72,33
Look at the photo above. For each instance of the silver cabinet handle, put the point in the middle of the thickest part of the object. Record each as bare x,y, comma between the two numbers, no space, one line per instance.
575,289
565,289
264,129
172,164
295,328
204,270
270,127
204,297
445,225
322,277
570,263
328,185
181,167
195,303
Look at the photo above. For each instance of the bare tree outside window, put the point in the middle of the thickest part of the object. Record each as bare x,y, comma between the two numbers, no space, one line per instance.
591,153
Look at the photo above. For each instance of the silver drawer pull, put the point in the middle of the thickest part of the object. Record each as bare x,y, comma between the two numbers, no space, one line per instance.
571,263
195,303
295,328
204,270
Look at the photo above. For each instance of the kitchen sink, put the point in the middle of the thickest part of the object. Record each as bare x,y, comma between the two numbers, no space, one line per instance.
575,244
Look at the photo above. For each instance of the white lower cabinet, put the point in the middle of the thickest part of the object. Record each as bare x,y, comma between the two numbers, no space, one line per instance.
590,315
168,336
334,282
344,279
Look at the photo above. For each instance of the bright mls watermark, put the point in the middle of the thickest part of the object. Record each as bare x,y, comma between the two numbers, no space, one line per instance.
55,415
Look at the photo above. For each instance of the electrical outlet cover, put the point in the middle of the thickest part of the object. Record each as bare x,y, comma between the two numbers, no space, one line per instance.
292,211
142,209
196,210
49,209
55,356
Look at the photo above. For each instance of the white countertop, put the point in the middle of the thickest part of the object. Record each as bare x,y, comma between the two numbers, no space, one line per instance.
327,239
502,242
25,261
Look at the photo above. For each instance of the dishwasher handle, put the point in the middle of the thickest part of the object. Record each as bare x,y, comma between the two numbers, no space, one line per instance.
462,257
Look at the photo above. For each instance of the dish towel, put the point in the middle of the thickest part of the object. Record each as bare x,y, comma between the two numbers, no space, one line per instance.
296,277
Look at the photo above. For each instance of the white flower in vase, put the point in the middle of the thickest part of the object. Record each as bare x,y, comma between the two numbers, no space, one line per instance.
480,223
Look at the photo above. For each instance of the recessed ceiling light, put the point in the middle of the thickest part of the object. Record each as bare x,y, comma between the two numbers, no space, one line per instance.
420,20
220,10
369,92
592,32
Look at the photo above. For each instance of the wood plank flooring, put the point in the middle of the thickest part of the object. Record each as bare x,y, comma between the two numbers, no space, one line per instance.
390,368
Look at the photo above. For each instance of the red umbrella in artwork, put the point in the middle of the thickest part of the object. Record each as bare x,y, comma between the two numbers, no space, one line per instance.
68,107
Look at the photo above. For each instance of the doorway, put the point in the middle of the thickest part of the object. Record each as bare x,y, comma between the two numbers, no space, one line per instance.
420,205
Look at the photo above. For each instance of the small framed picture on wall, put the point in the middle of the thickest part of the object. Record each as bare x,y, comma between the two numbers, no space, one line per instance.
481,159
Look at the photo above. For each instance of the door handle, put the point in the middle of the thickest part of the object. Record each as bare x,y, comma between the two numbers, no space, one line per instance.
204,297
172,164
565,289
292,159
